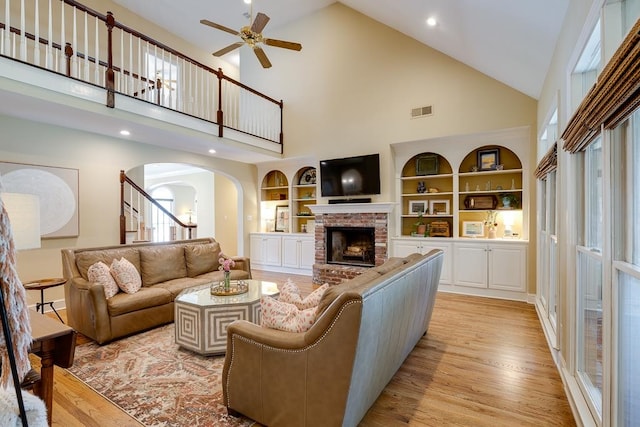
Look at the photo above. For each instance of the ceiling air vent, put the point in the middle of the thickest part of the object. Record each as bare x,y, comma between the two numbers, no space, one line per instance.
421,111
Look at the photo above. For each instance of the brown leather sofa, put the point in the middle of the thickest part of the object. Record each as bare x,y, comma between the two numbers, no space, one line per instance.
166,269
332,374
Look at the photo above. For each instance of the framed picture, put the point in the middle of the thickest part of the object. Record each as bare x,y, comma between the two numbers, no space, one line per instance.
472,228
488,159
417,207
427,164
57,190
282,218
439,207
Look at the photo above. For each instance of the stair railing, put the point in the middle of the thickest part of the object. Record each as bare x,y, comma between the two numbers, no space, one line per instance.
133,200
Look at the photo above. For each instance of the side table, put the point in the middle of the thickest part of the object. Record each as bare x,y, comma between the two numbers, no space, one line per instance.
41,285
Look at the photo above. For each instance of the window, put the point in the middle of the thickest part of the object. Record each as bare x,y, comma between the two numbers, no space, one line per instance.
163,226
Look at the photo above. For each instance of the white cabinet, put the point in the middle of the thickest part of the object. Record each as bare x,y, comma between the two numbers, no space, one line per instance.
284,252
408,246
266,249
499,266
298,251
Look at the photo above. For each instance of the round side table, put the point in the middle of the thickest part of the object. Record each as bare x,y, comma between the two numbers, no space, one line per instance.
41,285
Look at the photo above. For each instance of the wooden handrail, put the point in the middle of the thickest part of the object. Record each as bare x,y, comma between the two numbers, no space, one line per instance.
125,179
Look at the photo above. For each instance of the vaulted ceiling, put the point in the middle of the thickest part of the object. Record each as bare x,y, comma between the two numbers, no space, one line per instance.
511,41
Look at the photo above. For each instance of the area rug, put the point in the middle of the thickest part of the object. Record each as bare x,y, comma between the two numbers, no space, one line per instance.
155,381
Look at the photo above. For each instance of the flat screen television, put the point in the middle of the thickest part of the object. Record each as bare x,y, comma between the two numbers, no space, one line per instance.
351,176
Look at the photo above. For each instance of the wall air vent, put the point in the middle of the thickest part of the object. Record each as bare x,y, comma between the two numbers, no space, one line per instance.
421,112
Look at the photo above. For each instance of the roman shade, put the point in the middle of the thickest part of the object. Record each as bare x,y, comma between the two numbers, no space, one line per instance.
548,163
614,96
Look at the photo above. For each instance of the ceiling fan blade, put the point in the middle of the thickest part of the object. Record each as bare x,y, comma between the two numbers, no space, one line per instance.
282,43
259,23
228,49
219,27
262,57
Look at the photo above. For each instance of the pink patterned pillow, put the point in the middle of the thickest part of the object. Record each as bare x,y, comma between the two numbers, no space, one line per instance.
290,293
99,273
284,316
126,275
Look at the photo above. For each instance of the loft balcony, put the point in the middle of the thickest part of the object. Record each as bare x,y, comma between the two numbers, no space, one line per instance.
100,75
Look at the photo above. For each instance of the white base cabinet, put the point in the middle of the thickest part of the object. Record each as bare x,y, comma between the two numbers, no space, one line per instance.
283,252
405,247
499,266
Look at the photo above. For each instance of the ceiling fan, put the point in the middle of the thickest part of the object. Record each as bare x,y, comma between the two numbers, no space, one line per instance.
252,36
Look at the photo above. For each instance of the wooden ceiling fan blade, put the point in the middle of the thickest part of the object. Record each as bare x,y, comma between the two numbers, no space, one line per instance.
228,49
283,44
219,27
262,57
259,23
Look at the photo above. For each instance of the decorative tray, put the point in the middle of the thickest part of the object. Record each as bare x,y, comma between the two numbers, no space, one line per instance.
236,288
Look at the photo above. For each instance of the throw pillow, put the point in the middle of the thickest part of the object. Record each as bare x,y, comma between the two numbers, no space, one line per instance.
126,275
290,293
99,273
284,316
202,259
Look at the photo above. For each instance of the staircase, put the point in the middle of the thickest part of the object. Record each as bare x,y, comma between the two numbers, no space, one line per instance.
138,210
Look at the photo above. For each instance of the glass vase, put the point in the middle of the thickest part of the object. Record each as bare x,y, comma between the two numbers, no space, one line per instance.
227,281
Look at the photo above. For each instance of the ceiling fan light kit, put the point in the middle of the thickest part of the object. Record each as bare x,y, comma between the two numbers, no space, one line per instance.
252,36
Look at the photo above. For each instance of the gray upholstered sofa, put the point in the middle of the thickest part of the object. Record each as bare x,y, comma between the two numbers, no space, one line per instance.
165,268
332,374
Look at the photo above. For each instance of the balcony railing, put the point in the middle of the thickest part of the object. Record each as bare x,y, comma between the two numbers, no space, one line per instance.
69,38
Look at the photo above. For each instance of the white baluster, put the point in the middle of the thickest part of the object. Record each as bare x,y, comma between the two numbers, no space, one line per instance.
36,45
49,52
23,33
7,31
139,85
122,80
63,38
130,66
74,45
86,47
96,72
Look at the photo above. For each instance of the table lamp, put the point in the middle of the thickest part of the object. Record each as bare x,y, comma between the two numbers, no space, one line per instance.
23,211
508,218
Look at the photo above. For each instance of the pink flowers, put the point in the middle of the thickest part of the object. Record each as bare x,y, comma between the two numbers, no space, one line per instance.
226,263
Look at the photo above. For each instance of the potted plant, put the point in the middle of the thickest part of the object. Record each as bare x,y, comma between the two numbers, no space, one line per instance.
421,227
510,201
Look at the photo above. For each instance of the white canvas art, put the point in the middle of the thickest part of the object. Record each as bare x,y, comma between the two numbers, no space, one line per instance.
57,190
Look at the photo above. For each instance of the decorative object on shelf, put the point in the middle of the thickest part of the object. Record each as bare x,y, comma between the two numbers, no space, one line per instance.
427,164
418,207
474,168
433,190
488,159
472,228
305,213
499,167
491,221
304,228
487,186
508,219
466,186
421,227
308,177
421,187
513,184
439,207
278,196
282,218
509,201
481,202
440,229
478,187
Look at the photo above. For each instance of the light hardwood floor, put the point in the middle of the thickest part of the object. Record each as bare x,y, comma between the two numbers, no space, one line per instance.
484,362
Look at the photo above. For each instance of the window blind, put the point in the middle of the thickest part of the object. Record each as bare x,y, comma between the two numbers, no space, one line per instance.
548,163
614,96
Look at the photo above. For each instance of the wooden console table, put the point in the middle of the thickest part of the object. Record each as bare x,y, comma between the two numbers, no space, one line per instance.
55,344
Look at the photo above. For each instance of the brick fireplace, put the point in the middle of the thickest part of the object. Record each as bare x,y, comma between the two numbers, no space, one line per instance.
342,244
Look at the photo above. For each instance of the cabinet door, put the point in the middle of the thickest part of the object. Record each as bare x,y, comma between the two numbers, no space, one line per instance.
507,267
471,265
404,248
307,253
273,251
445,276
290,251
257,249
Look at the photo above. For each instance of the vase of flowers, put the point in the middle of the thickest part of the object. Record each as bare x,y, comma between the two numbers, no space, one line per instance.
226,264
491,222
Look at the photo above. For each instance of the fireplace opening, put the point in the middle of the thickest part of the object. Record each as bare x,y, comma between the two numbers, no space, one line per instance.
351,246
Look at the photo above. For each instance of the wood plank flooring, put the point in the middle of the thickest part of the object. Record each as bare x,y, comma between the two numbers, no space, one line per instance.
484,362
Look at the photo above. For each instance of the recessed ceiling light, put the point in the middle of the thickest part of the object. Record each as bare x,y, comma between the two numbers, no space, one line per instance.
212,151
431,21
247,1
125,132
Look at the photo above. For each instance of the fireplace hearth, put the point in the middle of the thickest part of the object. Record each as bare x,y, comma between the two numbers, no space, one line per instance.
351,246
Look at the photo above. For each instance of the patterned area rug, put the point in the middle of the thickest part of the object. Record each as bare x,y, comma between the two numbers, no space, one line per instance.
155,381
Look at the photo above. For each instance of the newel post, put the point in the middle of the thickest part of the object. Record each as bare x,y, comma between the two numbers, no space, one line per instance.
68,53
123,223
219,116
109,73
281,126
